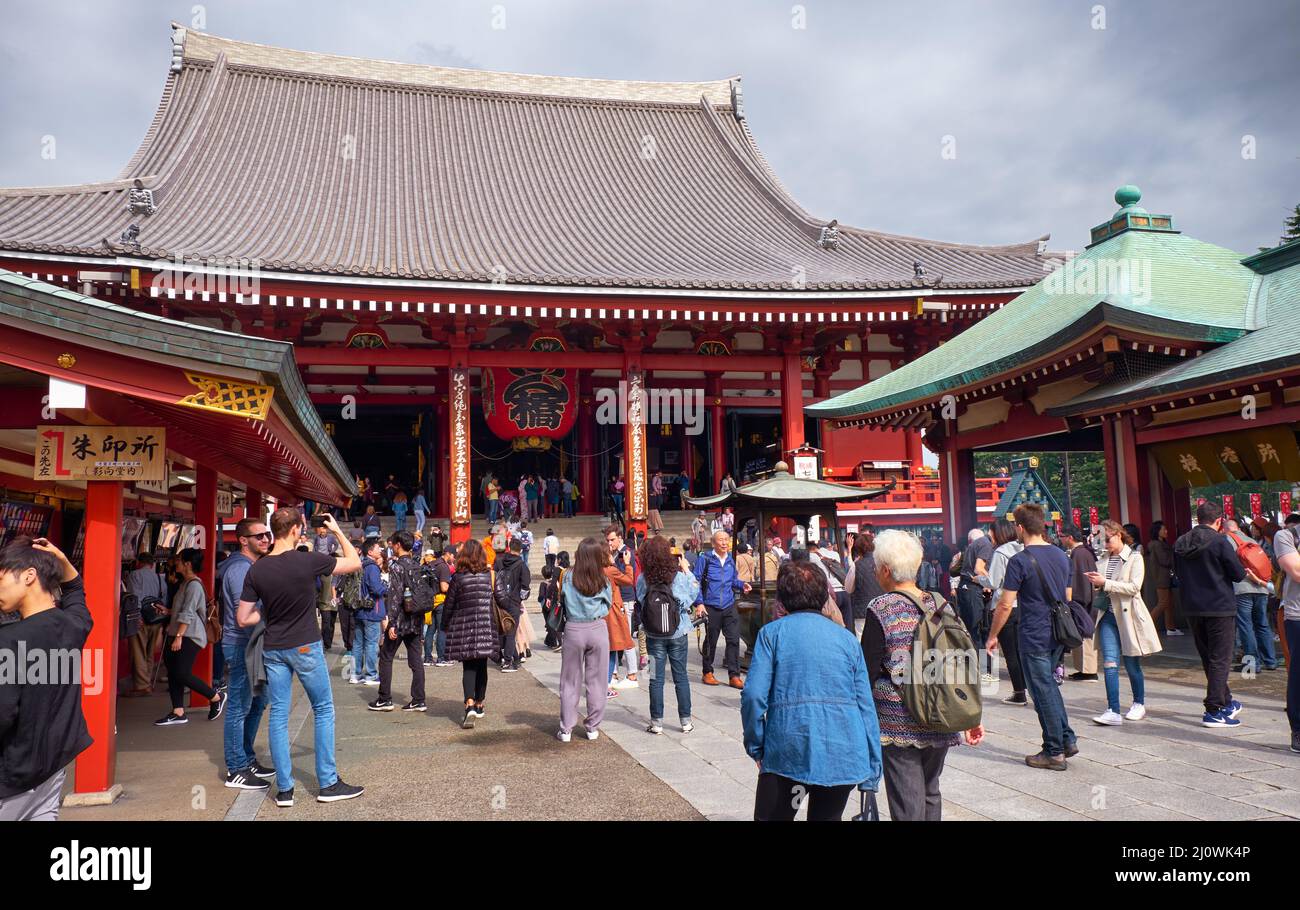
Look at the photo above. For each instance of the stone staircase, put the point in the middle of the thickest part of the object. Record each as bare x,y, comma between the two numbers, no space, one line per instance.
570,531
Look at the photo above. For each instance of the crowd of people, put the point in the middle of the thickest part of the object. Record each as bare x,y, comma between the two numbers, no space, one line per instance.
828,706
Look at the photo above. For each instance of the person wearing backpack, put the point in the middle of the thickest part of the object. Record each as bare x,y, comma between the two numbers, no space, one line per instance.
1037,580
913,752
1251,594
1207,566
808,716
410,596
511,584
666,593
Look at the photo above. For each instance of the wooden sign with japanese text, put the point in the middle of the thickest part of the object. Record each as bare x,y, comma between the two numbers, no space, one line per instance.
100,453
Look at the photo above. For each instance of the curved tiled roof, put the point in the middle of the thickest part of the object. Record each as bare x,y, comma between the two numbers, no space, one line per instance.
318,164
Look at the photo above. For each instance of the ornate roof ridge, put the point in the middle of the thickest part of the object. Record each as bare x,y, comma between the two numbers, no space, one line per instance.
202,46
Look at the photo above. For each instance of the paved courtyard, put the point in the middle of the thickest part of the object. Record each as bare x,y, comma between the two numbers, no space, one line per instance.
424,766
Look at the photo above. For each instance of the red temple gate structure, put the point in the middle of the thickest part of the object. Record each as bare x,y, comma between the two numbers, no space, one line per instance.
416,230
222,418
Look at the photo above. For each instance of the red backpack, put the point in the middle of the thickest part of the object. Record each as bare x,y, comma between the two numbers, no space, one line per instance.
1252,556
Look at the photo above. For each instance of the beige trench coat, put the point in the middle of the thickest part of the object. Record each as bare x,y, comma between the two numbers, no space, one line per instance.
1137,633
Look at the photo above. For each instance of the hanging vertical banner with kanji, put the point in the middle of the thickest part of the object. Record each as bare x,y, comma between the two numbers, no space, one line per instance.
1256,505
634,445
1076,516
1229,510
1094,517
100,453
460,479
1284,502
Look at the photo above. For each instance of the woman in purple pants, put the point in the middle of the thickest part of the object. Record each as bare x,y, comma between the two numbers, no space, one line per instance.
584,657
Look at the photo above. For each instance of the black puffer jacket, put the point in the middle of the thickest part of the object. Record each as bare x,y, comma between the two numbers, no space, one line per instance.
467,618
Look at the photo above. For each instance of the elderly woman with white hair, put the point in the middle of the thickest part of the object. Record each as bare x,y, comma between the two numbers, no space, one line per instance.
913,756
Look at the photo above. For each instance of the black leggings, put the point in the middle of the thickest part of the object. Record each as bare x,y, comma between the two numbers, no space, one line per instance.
1009,643
778,798
180,672
473,675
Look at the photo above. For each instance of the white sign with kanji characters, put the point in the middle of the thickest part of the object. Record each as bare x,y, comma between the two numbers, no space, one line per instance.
100,453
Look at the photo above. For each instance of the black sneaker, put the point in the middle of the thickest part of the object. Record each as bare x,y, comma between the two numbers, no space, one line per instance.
261,771
245,780
1016,698
468,722
1072,751
416,706
171,720
1295,742
509,668
1083,677
216,707
284,798
380,704
478,711
339,790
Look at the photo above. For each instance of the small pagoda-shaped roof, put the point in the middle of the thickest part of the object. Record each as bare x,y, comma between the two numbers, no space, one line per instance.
311,163
784,488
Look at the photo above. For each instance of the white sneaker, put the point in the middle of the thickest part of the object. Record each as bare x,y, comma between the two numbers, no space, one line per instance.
655,727
688,727
988,678
372,682
627,684
593,733
1137,712
562,736
1175,632
355,680
1109,719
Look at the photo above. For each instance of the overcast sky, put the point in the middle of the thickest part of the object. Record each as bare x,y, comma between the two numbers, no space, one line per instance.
1047,111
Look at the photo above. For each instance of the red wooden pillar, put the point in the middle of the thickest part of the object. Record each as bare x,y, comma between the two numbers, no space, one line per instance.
914,454
1113,479
205,516
791,402
636,496
102,575
957,489
717,435
822,391
458,479
588,482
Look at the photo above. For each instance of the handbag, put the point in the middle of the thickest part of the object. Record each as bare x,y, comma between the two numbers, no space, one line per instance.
1065,630
868,810
502,621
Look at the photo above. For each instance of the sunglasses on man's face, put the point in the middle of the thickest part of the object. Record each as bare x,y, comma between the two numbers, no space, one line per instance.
265,535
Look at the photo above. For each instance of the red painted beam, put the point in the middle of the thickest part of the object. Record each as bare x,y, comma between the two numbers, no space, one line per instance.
1021,423
1230,423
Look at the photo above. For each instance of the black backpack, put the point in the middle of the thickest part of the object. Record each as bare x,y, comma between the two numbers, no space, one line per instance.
660,612
410,577
132,621
506,591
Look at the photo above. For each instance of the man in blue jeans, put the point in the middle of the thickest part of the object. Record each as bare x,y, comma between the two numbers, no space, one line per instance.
280,590
366,622
243,709
1037,577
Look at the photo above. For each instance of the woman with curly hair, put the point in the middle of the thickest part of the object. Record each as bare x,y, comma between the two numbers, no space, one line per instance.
666,593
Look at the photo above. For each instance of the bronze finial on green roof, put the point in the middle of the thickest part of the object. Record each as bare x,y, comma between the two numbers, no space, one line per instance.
1131,217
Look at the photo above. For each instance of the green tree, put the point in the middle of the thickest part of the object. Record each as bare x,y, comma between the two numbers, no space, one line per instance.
1290,229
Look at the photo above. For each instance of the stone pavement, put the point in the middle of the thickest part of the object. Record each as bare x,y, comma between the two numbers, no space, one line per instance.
423,766
1164,767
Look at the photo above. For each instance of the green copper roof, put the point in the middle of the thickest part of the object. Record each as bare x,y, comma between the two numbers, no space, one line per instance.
1130,217
1274,347
1153,282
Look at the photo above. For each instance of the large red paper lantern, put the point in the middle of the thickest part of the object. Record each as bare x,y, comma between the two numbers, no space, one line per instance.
531,405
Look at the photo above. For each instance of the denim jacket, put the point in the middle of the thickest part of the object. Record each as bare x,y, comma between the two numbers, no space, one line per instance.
579,607
807,707
686,591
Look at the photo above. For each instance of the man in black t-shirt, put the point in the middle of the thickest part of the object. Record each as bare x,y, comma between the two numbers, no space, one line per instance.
284,581
1040,652
42,727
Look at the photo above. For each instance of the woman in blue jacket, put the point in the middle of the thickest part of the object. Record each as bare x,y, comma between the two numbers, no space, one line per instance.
809,717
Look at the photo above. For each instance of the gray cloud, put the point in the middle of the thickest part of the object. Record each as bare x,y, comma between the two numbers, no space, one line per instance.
1048,114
